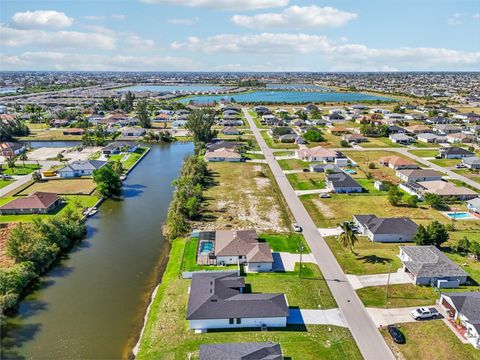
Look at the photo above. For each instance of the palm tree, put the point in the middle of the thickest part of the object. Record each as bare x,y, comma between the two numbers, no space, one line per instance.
23,157
11,162
347,238
60,157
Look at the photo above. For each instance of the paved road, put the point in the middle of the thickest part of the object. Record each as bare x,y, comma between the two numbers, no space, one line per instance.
19,181
364,331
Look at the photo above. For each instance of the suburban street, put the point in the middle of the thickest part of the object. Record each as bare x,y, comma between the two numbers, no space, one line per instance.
365,332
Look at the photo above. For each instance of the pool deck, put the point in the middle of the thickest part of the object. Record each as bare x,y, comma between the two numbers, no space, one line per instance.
202,258
469,216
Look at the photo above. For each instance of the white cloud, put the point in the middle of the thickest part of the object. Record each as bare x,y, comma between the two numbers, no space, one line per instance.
455,19
296,17
78,61
118,17
95,17
184,21
293,47
12,37
224,4
135,42
41,19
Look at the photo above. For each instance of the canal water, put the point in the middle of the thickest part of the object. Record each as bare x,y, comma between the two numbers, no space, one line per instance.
91,305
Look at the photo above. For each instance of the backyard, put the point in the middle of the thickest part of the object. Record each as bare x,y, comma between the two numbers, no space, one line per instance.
79,186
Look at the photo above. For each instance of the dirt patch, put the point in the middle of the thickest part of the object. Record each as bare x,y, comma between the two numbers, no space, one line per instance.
324,209
5,261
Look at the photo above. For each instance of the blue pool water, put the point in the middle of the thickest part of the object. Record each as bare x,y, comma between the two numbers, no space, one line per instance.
206,247
459,215
348,171
172,88
287,97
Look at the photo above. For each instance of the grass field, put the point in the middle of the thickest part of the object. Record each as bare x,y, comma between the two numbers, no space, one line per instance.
307,181
19,169
374,142
4,183
293,164
85,201
369,258
79,186
421,144
286,242
50,135
446,162
277,145
419,339
424,153
399,295
167,336
133,158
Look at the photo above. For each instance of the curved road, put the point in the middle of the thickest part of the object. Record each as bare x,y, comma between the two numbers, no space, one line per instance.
364,331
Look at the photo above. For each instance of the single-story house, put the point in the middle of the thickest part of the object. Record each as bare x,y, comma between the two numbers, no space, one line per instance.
354,138
338,130
117,147
401,139
428,265
472,162
223,154
418,129
474,205
73,131
241,351
454,152
431,138
80,168
230,130
419,175
134,131
394,129
218,144
386,229
464,307
396,162
459,138
12,148
217,301
438,120
316,154
446,129
36,203
343,183
446,189
319,168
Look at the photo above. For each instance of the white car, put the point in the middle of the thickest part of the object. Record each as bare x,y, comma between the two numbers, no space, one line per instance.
325,196
297,228
425,313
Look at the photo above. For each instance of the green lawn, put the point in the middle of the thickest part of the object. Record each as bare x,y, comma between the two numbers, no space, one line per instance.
85,201
4,183
307,181
424,153
254,156
189,260
399,295
369,258
288,242
421,335
421,144
293,164
284,153
446,162
133,158
277,145
21,170
379,142
166,334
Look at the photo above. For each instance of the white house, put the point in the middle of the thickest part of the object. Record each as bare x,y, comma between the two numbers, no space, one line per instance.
316,154
223,154
386,229
80,168
217,301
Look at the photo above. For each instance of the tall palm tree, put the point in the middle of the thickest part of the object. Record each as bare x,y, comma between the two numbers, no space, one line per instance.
347,238
23,157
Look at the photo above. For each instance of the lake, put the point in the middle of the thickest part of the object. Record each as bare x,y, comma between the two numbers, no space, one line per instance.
288,97
91,305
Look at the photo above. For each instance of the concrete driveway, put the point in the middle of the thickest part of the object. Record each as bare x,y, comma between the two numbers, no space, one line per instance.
283,261
330,231
316,317
311,192
384,317
362,281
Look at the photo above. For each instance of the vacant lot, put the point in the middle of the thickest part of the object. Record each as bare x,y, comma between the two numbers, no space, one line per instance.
49,135
167,336
293,164
307,181
424,153
446,162
369,257
81,186
399,295
379,142
243,196
422,335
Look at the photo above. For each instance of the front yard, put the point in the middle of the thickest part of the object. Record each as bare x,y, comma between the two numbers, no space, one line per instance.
307,181
286,242
430,340
19,169
446,162
293,164
399,295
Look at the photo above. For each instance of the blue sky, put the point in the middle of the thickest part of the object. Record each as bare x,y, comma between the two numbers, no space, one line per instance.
240,35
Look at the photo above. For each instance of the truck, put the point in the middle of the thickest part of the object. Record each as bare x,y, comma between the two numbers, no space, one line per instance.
425,313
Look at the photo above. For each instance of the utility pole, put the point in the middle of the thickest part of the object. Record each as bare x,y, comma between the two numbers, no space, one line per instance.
301,252
388,282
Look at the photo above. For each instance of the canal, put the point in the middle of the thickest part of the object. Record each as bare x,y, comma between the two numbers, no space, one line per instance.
91,304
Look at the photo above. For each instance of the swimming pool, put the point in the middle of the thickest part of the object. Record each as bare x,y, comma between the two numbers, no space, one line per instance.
459,215
206,247
349,171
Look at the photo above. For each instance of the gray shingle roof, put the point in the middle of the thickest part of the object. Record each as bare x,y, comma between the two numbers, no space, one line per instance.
467,303
83,165
429,261
388,225
241,351
455,150
339,180
218,296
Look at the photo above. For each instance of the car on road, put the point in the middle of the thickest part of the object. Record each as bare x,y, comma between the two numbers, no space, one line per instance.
297,228
425,313
325,196
396,334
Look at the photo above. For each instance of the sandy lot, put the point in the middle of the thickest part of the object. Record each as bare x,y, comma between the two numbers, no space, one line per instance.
71,154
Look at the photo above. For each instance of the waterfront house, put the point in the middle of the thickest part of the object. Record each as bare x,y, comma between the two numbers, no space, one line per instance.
454,152
36,203
218,301
386,229
223,154
341,182
12,148
230,130
419,175
80,168
427,265
241,351
463,308
118,146
134,131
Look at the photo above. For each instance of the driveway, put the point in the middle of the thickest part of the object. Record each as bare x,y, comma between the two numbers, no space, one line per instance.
330,231
384,317
283,261
292,171
399,277
316,317
311,192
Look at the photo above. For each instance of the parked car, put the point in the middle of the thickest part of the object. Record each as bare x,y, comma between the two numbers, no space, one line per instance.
297,228
425,313
460,166
306,170
396,334
325,196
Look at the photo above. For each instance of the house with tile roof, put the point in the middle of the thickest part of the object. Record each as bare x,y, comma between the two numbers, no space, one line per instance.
36,203
397,162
